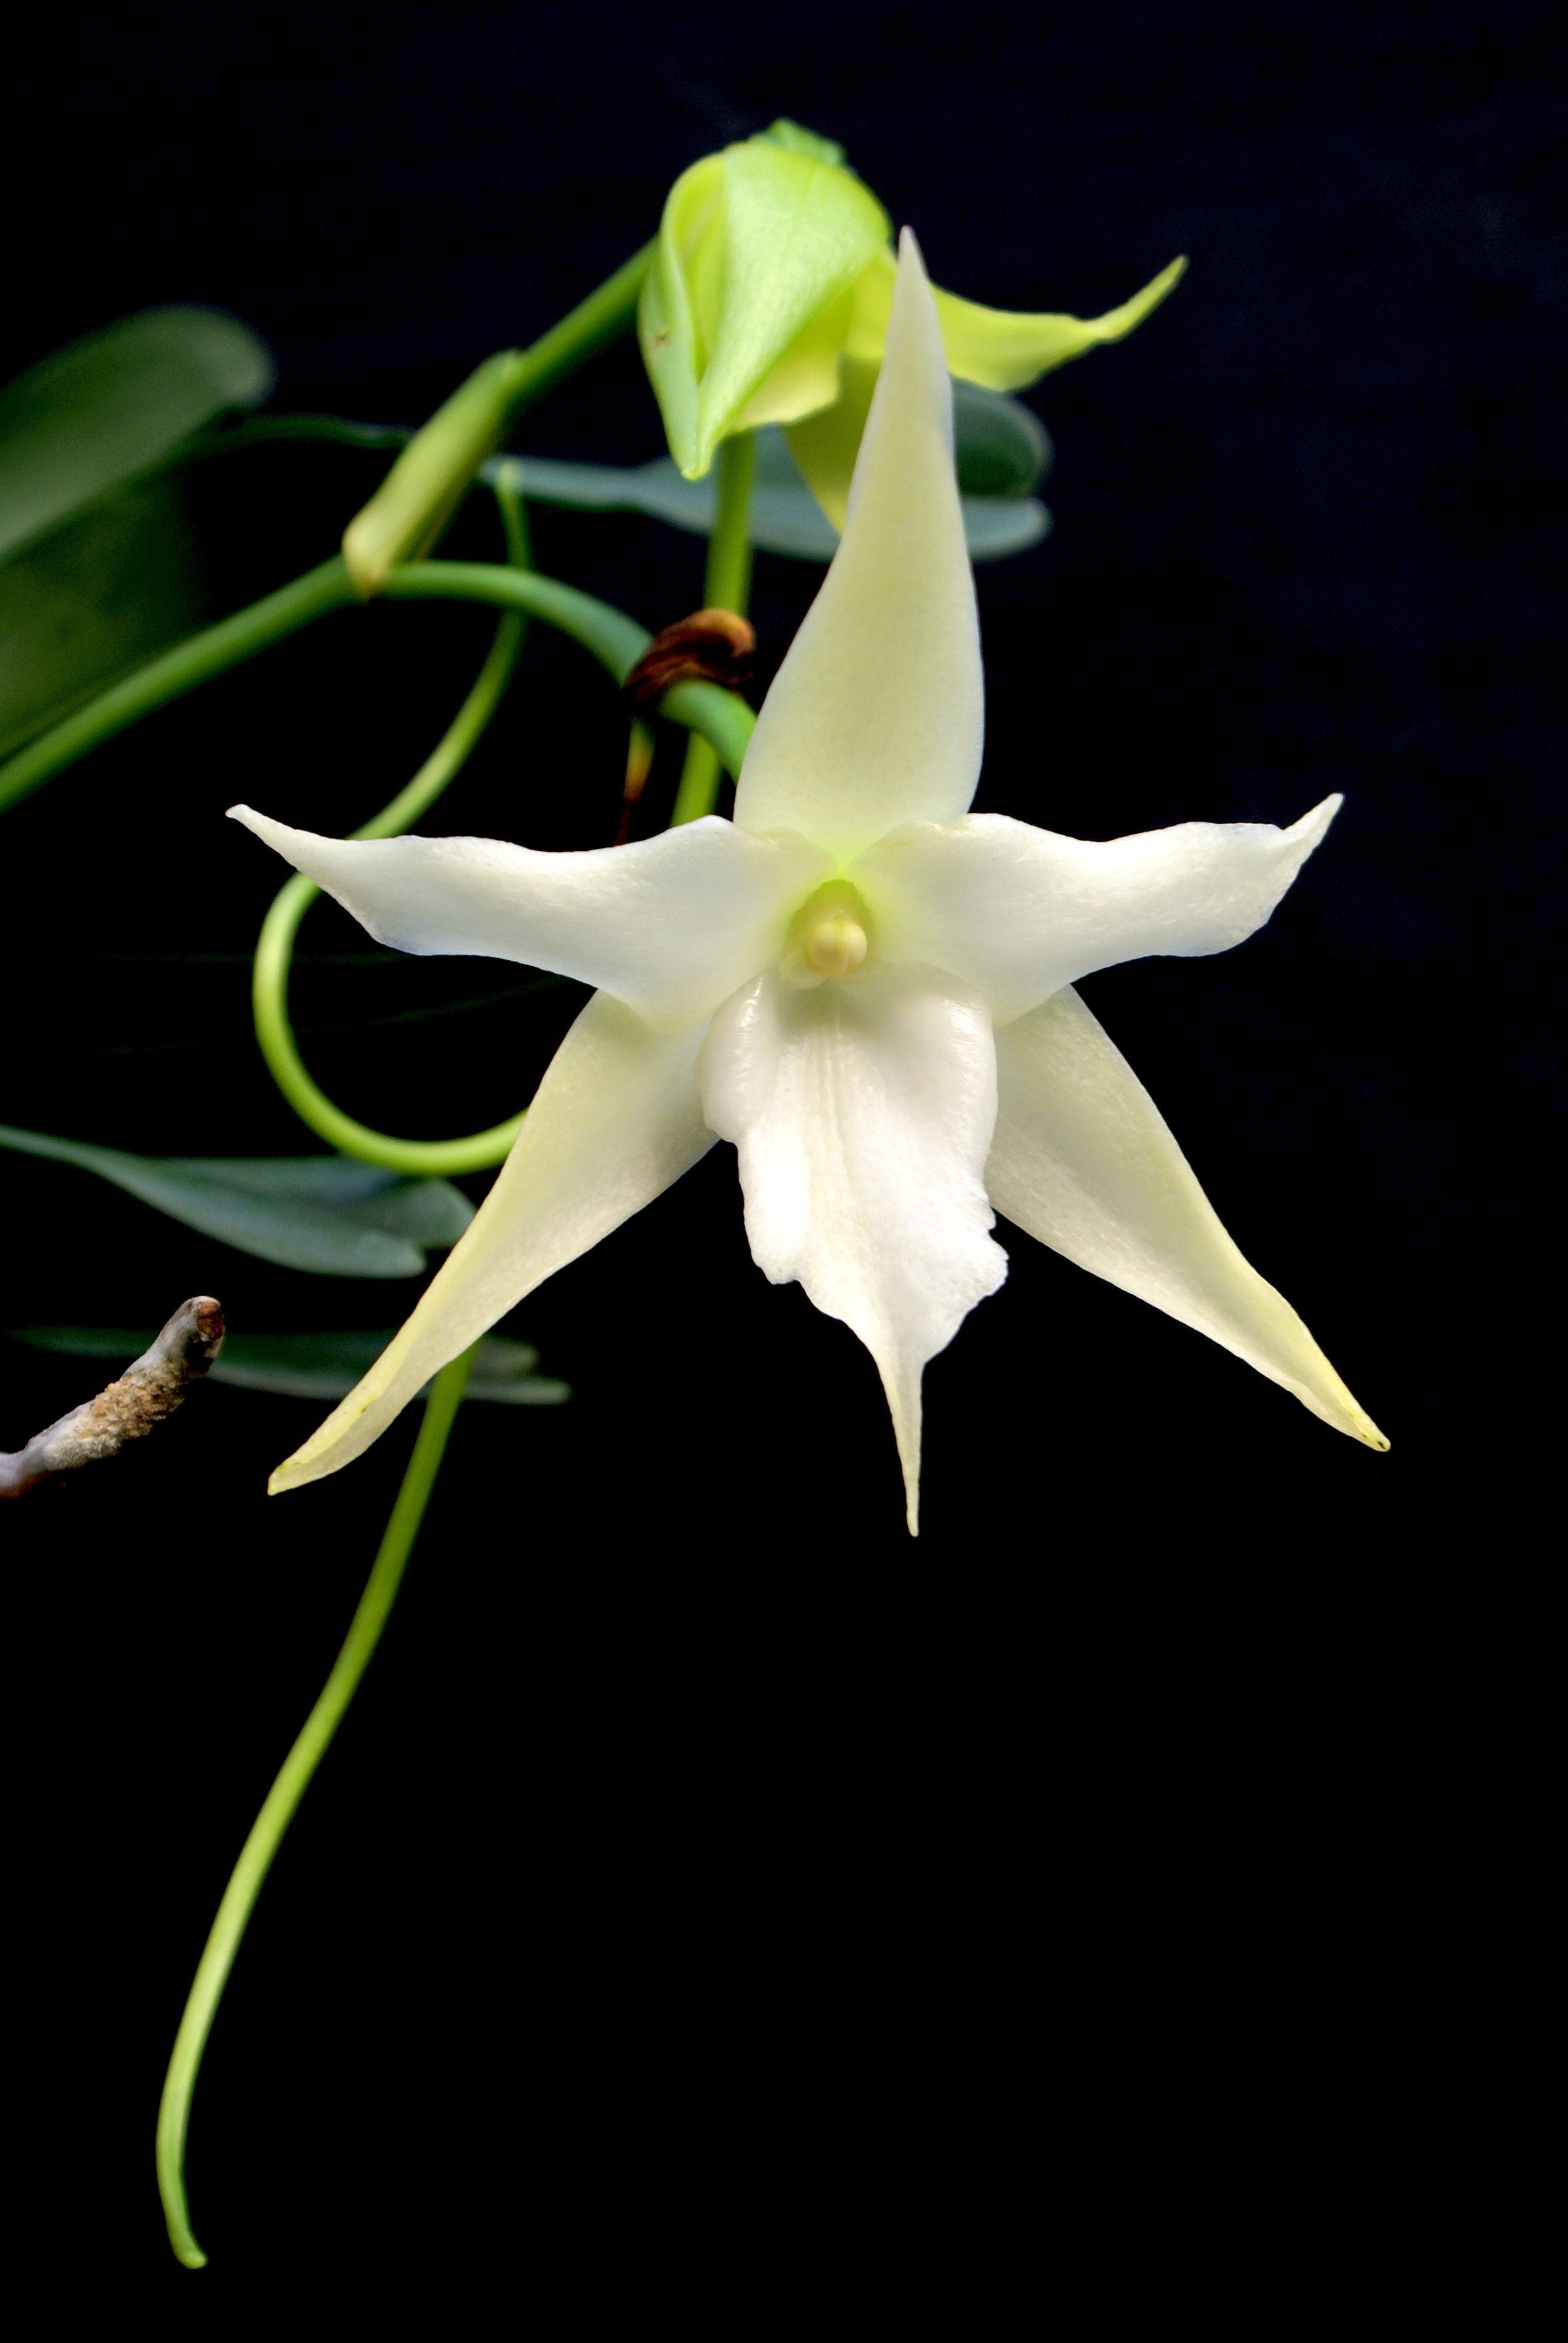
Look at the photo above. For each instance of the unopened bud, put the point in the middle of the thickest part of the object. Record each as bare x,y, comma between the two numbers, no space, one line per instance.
415,501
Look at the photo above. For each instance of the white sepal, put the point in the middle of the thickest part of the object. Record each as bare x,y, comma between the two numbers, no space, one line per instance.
1018,912
862,1113
876,716
670,925
1082,1159
615,1119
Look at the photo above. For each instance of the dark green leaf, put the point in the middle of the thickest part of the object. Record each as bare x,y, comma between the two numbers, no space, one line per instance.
95,415
785,516
1002,450
313,1366
98,571
109,588
320,1213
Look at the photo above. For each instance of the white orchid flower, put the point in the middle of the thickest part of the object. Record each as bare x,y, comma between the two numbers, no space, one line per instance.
863,986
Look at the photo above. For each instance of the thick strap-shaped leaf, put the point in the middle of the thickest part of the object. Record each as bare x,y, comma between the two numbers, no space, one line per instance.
312,1366
1000,461
111,586
98,413
319,1212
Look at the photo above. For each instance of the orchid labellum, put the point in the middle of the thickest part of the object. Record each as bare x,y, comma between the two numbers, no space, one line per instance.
861,985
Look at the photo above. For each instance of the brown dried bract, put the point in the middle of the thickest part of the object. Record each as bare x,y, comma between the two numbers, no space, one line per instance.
710,647
151,1388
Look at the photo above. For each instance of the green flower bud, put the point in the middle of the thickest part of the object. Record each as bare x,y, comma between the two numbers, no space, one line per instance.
768,302
749,297
414,502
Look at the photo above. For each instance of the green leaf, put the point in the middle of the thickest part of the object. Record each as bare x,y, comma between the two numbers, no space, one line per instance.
111,587
96,414
1002,450
98,570
312,1366
785,516
319,1212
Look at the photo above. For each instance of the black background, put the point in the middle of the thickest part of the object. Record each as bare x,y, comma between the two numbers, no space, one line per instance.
700,1853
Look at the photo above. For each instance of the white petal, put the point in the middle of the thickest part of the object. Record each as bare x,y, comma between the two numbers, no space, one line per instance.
876,715
614,1122
1018,912
862,1113
1082,1159
670,925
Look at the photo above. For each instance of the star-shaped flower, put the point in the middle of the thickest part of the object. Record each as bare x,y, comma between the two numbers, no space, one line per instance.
768,301
864,987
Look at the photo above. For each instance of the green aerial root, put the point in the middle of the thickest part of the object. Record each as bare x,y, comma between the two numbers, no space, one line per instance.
266,1832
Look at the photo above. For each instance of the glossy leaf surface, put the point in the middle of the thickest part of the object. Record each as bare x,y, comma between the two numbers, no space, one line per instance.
319,1212
112,586
1001,445
103,410
312,1366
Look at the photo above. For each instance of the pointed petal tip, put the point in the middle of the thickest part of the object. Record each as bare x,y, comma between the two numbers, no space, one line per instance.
297,1472
304,1465
907,1430
260,825
1313,826
1341,1409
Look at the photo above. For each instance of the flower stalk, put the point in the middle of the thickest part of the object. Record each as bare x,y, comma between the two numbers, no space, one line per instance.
726,585
282,1800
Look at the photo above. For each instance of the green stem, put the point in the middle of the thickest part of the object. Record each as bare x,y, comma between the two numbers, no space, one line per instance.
170,677
283,1798
615,640
618,642
259,430
430,1159
606,312
727,586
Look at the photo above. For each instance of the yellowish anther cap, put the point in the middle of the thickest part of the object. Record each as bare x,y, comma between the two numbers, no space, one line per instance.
836,946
